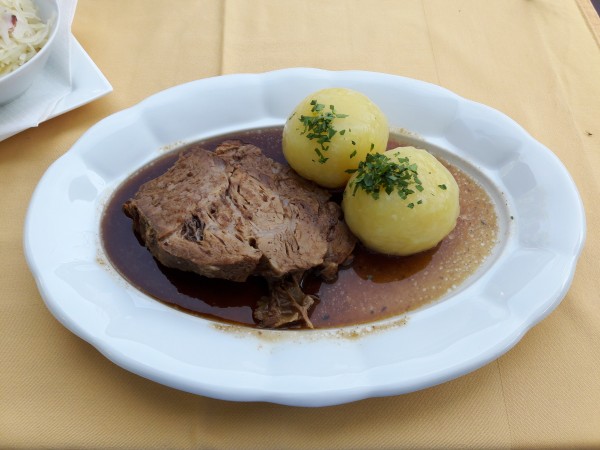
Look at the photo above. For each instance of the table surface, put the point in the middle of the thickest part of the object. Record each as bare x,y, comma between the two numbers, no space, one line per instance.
536,61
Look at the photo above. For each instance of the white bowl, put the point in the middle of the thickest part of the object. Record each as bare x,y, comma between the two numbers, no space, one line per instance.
15,83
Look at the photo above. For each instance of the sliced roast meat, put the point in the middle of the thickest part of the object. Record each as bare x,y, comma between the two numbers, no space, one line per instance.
234,212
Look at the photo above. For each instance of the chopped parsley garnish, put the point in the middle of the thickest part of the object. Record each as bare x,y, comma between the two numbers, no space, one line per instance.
379,173
319,127
442,187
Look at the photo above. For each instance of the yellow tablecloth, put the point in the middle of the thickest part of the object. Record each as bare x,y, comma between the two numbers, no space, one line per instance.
537,61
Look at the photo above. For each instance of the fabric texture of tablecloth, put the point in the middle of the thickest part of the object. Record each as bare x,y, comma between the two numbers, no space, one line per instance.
537,61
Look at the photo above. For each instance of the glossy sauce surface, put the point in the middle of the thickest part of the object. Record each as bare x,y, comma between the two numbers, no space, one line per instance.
373,287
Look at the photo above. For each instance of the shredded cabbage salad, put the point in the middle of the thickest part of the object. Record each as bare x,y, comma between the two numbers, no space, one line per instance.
22,33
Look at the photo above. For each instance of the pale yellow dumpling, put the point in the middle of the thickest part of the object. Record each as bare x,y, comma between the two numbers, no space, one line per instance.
331,131
402,226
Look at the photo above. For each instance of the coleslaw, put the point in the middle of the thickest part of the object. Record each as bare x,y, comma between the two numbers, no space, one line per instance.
22,33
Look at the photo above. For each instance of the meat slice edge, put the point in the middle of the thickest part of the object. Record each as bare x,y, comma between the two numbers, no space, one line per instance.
186,220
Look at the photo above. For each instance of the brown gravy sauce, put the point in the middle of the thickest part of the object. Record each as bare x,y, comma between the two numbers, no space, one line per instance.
374,287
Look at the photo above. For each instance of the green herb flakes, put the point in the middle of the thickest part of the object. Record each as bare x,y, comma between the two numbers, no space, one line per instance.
379,173
319,127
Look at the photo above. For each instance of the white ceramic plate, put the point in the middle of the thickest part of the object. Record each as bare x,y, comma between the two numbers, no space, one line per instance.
87,84
524,280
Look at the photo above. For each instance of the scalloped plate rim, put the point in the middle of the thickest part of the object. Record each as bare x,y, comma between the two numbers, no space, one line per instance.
309,395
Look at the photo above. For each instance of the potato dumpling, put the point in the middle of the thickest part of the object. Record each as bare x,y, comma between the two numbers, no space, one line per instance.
331,131
418,210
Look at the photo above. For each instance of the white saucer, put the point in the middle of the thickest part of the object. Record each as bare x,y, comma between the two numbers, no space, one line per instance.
87,85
